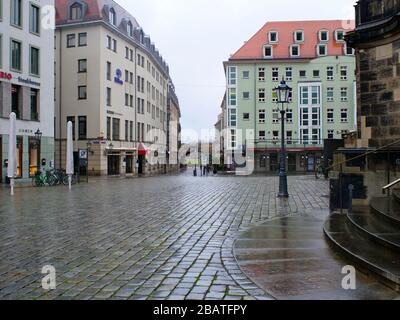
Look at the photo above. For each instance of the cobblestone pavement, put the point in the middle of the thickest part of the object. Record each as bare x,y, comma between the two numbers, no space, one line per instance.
151,238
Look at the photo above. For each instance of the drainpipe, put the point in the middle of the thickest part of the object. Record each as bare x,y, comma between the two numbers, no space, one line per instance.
60,99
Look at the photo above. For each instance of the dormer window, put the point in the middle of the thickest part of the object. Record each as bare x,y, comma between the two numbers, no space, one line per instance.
76,11
299,36
268,52
324,36
295,50
348,51
112,17
339,35
129,29
273,37
322,50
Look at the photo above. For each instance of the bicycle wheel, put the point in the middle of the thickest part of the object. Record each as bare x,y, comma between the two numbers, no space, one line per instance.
35,182
51,180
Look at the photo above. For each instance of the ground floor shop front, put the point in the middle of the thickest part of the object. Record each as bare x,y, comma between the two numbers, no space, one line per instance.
106,159
30,157
297,161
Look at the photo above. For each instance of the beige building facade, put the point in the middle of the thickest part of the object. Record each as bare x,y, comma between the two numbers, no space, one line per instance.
112,83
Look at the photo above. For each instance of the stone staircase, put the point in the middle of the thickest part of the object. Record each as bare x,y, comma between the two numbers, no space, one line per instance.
370,237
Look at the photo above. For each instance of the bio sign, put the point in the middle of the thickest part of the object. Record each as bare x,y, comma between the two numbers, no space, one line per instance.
5,75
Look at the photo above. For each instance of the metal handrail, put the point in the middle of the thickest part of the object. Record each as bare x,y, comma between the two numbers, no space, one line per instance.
363,155
391,185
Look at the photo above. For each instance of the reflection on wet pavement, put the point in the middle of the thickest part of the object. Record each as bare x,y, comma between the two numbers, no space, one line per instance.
290,259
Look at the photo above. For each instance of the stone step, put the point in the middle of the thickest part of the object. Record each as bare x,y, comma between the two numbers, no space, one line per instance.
365,253
387,208
375,228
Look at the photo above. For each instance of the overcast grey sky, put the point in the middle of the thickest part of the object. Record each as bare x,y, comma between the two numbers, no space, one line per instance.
196,36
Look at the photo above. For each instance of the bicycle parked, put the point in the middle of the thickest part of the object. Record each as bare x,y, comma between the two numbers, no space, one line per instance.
42,178
322,172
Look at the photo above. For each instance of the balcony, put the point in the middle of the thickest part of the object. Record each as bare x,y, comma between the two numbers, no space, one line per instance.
275,144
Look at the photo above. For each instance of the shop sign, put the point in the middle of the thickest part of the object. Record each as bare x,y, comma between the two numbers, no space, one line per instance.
5,75
28,81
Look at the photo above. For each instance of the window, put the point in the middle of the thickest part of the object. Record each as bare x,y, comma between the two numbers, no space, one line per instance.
343,73
72,119
261,116
108,42
261,95
82,39
344,115
131,130
115,129
330,93
289,137
75,12
316,73
34,17
246,95
295,50
330,115
299,36
348,51
261,74
343,94
289,74
304,97
275,135
112,17
126,99
329,74
233,139
322,50
274,96
34,104
331,134
82,128
261,135
129,29
339,35
324,36
268,52
16,55
71,41
315,95
15,100
275,74
246,116
108,128
82,66
108,97
114,45
108,75
16,13
126,130
34,61
289,116
246,74
232,76
275,117
302,74
232,117
232,97
82,92
273,37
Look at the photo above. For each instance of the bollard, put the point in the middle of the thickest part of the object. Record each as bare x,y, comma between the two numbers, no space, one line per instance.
351,189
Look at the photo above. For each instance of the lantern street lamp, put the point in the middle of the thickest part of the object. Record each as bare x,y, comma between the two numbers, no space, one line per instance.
283,95
38,140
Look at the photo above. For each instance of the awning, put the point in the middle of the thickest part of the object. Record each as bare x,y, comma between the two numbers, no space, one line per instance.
142,150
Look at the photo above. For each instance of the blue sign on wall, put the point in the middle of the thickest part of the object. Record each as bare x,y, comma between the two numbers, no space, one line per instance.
118,75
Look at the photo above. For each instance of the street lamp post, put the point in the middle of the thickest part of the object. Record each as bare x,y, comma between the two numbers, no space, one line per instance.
283,92
89,150
38,138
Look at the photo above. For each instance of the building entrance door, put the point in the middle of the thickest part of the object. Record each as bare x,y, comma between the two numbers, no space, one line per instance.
311,163
274,163
129,164
140,168
113,165
292,166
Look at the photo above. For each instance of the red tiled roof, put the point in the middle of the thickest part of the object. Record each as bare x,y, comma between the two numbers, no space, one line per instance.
254,48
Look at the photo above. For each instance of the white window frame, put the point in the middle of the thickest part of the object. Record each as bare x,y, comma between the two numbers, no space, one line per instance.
329,118
320,35
330,78
346,76
289,70
298,50
344,120
232,76
295,36
342,97
260,137
262,100
272,52
261,79
330,90
261,112
345,48
275,69
326,49
277,36
337,33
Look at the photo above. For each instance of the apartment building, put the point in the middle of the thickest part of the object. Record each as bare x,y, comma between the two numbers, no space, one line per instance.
112,83
26,85
174,130
314,60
